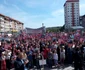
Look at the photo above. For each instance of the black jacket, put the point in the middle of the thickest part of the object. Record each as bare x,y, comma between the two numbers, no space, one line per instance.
78,57
19,65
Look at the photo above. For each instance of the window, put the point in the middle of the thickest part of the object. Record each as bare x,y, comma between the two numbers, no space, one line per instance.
9,25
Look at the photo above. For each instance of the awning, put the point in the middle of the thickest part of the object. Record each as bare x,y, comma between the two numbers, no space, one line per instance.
77,27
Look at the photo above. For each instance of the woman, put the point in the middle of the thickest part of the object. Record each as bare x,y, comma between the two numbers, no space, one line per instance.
62,55
3,61
21,64
38,57
50,58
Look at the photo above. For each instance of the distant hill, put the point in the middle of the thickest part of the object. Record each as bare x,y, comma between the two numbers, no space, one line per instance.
55,29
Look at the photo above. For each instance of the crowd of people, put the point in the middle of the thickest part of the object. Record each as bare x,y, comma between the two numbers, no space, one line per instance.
25,51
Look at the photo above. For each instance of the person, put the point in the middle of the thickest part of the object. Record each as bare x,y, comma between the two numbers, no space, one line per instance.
38,56
58,52
12,59
55,57
62,55
8,61
50,58
3,61
78,59
30,58
21,64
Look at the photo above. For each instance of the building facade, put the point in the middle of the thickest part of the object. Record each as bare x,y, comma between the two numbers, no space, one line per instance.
71,13
8,24
82,21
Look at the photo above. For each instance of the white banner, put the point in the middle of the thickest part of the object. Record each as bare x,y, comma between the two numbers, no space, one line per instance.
31,31
42,62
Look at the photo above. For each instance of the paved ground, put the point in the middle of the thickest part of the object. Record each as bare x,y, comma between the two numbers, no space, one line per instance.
55,68
69,67
66,68
61,68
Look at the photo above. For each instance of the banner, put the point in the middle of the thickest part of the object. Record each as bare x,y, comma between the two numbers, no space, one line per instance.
35,31
42,62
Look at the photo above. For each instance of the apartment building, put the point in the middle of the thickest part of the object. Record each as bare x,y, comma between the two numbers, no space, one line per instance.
82,21
71,13
8,24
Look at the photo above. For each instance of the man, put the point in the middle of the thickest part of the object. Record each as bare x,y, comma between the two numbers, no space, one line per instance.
21,64
78,59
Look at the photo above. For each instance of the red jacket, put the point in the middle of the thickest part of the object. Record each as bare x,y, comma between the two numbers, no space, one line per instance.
3,65
45,53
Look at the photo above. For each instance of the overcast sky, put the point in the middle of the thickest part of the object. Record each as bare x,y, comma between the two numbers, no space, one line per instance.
35,12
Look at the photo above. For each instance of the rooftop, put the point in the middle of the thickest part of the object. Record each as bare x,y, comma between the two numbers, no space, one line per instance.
71,1
9,18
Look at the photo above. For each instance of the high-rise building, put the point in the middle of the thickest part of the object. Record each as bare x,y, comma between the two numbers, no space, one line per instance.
71,13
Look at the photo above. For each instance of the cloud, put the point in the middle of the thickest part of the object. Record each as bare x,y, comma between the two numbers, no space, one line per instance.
18,14
55,19
41,4
3,9
50,18
5,2
6,8
28,20
17,8
82,7
34,3
52,22
1,6
13,12
34,21
58,12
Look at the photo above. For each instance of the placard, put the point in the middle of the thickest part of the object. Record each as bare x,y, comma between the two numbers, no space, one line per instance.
0,43
42,62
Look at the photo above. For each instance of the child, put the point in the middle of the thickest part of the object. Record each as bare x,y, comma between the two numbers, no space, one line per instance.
55,57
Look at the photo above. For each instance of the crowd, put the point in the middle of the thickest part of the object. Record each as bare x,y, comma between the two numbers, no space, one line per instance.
25,51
